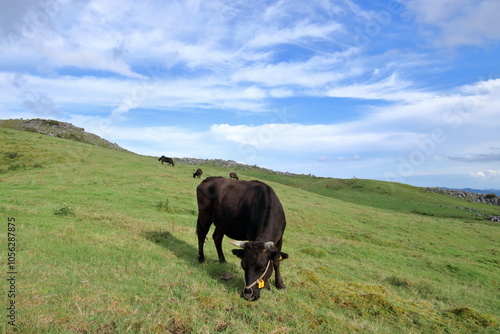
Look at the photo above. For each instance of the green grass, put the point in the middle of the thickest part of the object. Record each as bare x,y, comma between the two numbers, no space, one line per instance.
106,244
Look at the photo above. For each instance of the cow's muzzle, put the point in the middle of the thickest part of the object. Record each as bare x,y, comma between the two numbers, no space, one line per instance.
249,294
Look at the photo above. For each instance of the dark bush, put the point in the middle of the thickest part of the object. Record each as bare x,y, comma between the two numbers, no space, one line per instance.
12,155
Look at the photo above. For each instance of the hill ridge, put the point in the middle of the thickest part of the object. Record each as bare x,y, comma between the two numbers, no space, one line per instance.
59,129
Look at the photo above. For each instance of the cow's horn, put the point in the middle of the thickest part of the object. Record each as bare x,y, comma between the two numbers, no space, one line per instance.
269,245
237,243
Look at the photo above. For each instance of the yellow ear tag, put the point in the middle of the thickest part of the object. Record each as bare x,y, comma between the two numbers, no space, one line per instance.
261,284
280,258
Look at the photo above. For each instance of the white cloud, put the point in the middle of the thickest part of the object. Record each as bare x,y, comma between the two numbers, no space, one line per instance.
53,35
124,95
459,22
469,107
314,72
309,138
487,174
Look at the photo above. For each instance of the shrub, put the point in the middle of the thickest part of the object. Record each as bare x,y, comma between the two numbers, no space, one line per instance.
490,196
12,155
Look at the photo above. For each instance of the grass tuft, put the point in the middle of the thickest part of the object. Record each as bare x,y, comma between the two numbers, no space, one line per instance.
399,282
471,317
164,206
315,252
64,211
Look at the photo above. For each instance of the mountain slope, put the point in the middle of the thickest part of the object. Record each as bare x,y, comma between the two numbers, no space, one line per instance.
107,244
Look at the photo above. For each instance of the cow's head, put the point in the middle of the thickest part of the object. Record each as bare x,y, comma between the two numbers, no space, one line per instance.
257,260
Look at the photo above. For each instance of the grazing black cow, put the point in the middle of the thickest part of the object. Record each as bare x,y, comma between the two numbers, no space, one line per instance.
168,160
244,210
198,173
233,176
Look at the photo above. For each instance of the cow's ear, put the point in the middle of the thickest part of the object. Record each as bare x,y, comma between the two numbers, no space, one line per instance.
278,256
238,252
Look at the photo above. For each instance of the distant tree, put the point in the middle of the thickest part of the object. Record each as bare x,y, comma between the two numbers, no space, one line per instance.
490,196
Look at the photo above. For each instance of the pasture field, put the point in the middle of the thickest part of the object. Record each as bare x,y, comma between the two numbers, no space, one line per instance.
105,243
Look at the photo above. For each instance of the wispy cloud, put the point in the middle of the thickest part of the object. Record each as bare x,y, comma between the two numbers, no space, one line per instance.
477,158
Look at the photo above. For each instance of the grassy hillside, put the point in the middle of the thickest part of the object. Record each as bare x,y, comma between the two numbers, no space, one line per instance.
105,243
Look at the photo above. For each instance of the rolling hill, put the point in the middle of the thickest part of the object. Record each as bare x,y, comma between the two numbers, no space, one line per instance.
105,243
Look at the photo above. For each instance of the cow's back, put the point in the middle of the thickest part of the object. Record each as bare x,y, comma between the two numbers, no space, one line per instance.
243,210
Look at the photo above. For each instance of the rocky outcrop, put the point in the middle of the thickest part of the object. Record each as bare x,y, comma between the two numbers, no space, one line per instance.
471,197
230,164
467,195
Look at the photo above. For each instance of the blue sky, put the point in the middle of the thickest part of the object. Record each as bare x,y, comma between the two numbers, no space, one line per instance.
396,90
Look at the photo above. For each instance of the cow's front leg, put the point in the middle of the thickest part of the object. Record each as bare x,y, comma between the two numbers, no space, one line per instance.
278,279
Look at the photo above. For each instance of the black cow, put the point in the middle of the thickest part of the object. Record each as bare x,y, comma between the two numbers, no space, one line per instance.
168,160
244,210
197,173
233,176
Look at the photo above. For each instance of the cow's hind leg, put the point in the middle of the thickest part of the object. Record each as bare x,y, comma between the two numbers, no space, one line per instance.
218,236
202,231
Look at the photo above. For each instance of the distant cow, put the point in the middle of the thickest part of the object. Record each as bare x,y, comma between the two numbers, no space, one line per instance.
198,173
168,160
233,176
244,210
